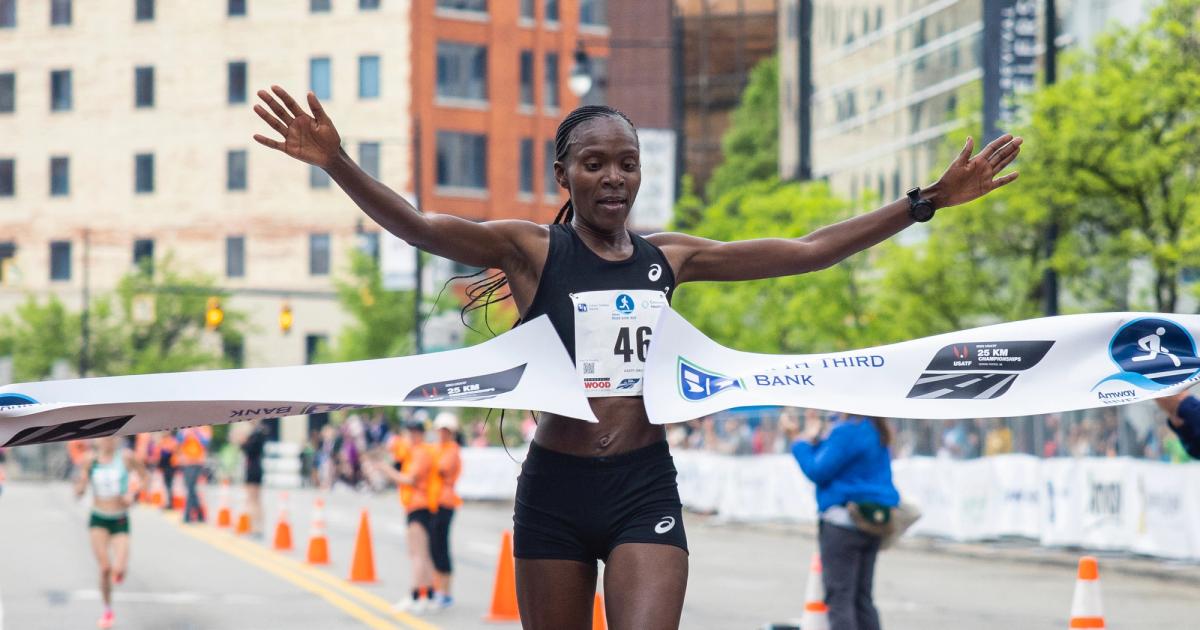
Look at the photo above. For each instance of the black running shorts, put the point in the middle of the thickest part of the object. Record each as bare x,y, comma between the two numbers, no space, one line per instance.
581,508
422,516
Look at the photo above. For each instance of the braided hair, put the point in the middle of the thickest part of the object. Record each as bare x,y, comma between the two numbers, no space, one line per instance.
483,292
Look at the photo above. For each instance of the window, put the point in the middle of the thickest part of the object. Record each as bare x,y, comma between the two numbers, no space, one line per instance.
313,346
318,254
8,184
236,8
551,10
143,165
8,13
551,95
235,170
60,90
593,12
317,177
143,86
144,10
234,350
550,186
461,160
60,13
318,77
60,176
60,260
235,256
527,77
462,71
8,251
368,158
143,254
598,95
368,76
368,243
526,183
237,82
8,92
527,10
368,5
478,6
319,6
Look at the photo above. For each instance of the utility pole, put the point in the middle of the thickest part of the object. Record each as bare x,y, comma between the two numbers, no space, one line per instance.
1050,276
85,332
418,289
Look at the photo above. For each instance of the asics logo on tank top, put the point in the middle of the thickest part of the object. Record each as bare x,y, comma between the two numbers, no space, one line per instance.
655,272
665,525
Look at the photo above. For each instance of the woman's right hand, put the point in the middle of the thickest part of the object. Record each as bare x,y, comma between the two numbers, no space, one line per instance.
308,138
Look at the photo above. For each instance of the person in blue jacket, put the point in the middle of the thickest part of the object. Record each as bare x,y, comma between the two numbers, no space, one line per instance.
852,469
1183,416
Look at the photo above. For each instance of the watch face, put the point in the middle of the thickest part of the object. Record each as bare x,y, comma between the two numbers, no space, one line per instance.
921,211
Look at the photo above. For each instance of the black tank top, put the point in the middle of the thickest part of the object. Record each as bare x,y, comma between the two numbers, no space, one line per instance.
573,268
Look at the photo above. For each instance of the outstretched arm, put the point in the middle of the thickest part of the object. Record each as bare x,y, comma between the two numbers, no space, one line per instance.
312,138
967,178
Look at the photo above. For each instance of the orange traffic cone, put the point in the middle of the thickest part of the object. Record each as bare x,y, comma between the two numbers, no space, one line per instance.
598,622
224,514
362,569
816,614
1086,609
156,492
283,531
243,524
504,594
318,544
178,492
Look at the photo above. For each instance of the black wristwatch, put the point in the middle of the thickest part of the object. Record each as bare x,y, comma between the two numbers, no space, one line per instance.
919,210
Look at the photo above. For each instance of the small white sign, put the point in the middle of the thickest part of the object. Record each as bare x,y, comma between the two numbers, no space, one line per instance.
655,203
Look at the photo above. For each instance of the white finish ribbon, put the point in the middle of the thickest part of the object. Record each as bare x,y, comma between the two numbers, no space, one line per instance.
520,369
1013,369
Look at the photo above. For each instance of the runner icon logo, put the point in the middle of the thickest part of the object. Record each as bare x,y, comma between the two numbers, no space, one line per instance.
1153,353
624,304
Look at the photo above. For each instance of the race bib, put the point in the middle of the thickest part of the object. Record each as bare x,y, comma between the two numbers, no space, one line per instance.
612,336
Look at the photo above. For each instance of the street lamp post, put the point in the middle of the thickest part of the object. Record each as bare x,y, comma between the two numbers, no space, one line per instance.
580,82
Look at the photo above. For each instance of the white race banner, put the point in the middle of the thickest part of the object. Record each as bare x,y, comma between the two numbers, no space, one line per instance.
516,370
1015,369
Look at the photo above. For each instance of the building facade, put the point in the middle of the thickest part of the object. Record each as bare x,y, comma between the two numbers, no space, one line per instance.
887,80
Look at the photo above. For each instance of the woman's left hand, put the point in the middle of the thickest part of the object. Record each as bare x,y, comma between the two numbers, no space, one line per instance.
969,178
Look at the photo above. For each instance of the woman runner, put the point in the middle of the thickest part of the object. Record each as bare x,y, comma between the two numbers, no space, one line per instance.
605,491
107,473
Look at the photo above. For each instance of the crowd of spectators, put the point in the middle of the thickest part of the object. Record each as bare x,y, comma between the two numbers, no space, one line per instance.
1137,430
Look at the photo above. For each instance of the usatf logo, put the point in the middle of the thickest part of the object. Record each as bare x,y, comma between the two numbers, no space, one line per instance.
696,383
1152,353
981,370
15,400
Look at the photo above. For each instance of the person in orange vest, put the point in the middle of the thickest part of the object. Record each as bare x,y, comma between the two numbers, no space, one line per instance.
191,456
416,469
166,446
77,451
447,465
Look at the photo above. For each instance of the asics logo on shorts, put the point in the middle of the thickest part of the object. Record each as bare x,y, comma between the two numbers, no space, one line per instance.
655,272
665,525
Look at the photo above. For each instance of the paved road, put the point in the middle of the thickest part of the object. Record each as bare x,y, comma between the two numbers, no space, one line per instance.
185,578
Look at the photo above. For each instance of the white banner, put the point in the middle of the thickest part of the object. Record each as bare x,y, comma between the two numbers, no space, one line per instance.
1015,369
517,370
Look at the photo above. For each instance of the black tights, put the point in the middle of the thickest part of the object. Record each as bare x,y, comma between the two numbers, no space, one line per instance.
644,585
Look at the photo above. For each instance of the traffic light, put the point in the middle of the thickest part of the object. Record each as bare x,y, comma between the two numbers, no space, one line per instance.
213,315
285,318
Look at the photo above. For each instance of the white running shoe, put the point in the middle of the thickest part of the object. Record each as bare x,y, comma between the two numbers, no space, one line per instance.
412,606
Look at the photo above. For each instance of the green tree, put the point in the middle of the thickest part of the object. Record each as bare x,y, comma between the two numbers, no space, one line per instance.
38,334
751,145
382,320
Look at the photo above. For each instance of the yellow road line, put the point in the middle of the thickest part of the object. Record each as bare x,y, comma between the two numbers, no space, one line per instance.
340,602
357,592
307,572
